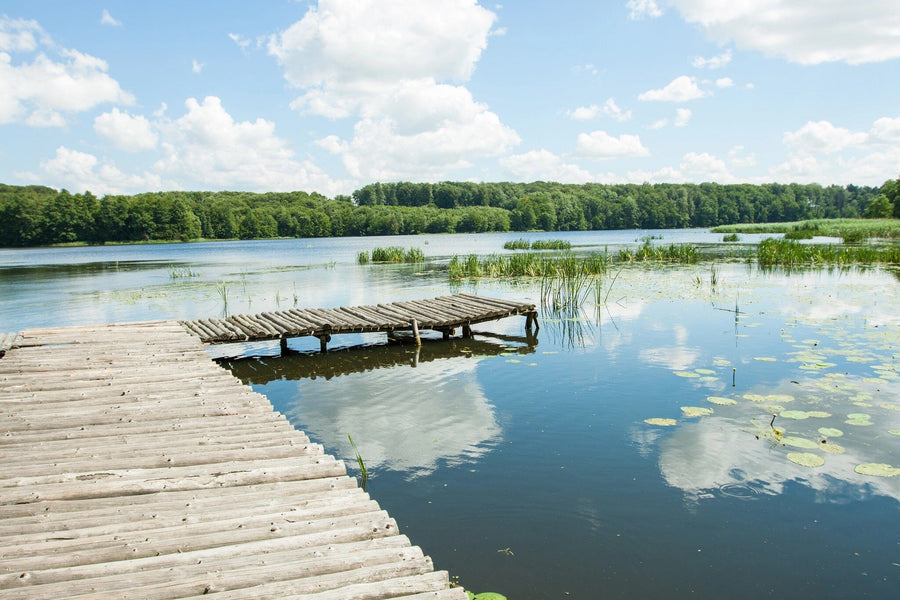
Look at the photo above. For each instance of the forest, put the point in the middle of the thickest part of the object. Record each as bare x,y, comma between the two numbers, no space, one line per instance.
39,216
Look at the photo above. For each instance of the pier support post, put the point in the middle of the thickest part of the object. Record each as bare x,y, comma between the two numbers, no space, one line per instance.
466,330
284,348
531,319
415,328
323,342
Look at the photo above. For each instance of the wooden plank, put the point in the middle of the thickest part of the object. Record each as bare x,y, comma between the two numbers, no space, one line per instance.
132,466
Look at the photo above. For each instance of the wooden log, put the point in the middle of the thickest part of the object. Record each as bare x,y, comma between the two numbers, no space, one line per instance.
415,328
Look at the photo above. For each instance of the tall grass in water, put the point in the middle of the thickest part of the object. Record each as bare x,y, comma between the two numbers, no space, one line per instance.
523,244
682,253
772,252
222,289
527,264
392,254
364,474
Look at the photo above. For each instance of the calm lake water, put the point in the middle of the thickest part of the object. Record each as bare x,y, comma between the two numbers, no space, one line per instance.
526,464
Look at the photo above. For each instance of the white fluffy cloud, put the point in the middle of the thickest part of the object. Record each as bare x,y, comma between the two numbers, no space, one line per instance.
609,109
543,165
822,136
638,9
680,89
599,144
713,62
126,132
802,31
108,19
207,147
825,153
682,116
397,68
39,92
724,82
354,47
79,171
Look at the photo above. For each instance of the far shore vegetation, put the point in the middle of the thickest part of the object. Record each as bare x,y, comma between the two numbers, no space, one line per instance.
43,216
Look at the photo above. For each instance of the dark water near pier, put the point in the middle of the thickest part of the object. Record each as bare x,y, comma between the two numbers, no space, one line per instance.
525,464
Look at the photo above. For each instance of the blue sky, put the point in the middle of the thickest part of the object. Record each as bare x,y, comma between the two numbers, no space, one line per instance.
327,96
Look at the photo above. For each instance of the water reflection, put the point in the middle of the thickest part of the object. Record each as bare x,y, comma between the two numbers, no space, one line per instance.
434,411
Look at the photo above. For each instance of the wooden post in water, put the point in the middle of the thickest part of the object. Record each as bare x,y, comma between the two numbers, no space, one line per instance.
284,348
531,320
323,341
415,328
466,330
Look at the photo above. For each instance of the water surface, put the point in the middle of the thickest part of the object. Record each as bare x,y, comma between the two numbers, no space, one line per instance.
525,464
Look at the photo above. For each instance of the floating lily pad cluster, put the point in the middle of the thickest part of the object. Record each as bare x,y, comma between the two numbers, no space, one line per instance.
845,386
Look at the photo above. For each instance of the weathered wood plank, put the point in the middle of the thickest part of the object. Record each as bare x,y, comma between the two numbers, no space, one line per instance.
132,467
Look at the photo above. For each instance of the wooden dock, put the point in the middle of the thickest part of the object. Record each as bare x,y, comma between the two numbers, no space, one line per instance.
445,314
132,466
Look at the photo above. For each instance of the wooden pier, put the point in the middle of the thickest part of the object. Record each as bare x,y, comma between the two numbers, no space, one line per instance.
445,314
132,466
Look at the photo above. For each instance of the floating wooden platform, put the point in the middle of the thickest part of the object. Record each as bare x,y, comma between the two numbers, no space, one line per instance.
444,314
131,466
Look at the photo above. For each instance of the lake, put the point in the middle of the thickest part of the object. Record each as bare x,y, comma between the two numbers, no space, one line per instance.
627,450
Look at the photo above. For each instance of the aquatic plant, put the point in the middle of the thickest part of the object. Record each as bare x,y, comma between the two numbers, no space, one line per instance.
362,257
396,254
774,252
730,237
519,244
523,244
176,272
681,253
364,475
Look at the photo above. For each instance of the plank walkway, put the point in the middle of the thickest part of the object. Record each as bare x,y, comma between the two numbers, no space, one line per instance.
444,314
132,466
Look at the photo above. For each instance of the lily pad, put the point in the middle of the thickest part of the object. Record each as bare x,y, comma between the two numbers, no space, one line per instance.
798,442
489,596
894,431
687,374
806,459
765,358
696,411
818,414
661,422
832,448
859,419
877,470
755,397
830,432
721,401
797,415
705,371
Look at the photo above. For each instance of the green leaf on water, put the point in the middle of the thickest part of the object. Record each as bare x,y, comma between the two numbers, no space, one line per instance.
832,448
661,422
799,442
859,419
721,401
489,596
877,470
705,371
830,432
894,431
687,374
696,411
755,397
797,415
765,358
806,459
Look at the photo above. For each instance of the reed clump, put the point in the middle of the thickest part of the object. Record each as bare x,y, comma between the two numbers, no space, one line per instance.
680,253
774,252
523,244
391,254
527,264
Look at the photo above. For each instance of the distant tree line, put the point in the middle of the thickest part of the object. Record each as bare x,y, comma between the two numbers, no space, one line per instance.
37,215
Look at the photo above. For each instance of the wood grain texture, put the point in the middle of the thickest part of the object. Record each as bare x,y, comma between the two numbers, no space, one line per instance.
132,466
